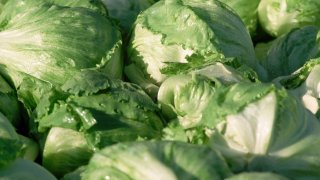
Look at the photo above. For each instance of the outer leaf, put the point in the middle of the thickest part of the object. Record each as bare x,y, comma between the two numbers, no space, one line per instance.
10,149
65,150
159,39
9,104
10,146
75,175
55,42
30,148
25,169
19,6
2,3
126,11
97,112
257,175
157,160
291,51
95,5
224,73
248,12
231,100
7,130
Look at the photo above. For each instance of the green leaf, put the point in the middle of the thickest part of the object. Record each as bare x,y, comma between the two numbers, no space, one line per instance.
297,78
74,175
279,17
257,175
247,11
194,62
8,97
10,149
232,99
174,37
55,41
65,150
27,170
157,160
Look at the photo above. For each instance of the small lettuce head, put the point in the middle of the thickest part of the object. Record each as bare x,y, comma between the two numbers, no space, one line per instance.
264,128
279,17
56,41
194,33
49,43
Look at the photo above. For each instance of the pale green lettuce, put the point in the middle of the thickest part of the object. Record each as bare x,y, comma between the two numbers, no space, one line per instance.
92,111
95,5
49,43
264,128
194,33
155,161
279,17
